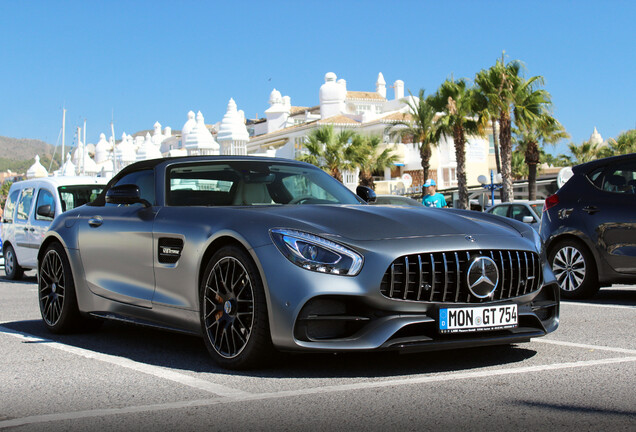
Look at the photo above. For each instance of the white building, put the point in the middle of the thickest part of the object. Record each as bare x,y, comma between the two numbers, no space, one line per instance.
285,128
233,135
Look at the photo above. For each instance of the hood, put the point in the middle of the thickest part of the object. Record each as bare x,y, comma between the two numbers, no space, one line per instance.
366,223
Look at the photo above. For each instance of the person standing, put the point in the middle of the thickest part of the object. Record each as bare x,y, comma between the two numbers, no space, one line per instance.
433,198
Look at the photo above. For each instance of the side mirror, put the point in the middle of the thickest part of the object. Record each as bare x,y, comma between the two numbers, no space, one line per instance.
528,219
367,194
46,211
125,194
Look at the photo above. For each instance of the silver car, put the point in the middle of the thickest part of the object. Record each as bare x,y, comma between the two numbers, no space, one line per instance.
259,254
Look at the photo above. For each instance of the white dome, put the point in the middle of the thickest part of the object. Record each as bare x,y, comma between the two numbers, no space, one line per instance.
157,136
37,170
233,125
200,138
331,90
125,151
102,149
68,169
87,165
148,150
187,127
596,138
275,97
332,96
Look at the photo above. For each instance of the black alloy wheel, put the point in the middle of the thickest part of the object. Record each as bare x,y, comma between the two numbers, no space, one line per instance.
575,269
11,267
233,310
56,294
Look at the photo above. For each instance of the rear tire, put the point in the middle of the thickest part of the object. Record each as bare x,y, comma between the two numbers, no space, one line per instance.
11,266
575,269
56,294
234,317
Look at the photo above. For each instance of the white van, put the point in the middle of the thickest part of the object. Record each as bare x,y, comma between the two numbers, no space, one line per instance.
29,210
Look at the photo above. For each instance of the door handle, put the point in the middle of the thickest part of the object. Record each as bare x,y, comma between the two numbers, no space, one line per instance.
590,209
31,229
95,221
25,229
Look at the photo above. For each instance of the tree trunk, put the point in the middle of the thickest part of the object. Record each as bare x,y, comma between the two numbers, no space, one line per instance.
495,139
335,173
425,156
533,156
460,156
505,140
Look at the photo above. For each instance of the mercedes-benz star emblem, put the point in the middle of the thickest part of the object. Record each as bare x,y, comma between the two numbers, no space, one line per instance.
482,277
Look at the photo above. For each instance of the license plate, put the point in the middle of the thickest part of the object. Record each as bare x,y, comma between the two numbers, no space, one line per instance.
471,319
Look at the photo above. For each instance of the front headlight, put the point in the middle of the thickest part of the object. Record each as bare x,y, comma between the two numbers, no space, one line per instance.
316,253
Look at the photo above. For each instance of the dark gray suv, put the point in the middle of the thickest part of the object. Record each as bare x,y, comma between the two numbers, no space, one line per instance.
589,227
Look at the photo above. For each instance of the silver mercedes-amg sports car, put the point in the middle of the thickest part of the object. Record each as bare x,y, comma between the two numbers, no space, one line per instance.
260,254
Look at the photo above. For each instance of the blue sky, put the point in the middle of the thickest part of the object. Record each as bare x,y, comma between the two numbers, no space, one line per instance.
148,61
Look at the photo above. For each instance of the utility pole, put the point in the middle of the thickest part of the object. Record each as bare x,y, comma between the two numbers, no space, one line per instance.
63,133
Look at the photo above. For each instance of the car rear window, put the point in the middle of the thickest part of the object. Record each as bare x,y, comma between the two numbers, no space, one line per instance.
78,195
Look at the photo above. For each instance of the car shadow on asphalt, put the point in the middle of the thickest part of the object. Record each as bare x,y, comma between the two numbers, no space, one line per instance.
188,353
621,295
28,279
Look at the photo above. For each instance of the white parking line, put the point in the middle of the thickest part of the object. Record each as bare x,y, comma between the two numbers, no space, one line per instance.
305,392
156,371
599,305
586,346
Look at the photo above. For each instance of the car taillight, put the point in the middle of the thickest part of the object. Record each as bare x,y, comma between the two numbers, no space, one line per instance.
550,202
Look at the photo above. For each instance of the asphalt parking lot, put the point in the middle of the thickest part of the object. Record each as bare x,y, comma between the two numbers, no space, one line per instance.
582,377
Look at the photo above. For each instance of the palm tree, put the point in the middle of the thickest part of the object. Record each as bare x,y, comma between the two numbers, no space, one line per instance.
457,101
365,153
625,143
586,152
518,167
510,95
418,128
488,86
545,130
327,150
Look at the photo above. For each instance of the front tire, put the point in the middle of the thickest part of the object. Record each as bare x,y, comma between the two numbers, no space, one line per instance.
575,270
11,266
234,317
56,293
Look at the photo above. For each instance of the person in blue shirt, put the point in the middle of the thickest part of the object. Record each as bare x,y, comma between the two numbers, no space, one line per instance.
433,198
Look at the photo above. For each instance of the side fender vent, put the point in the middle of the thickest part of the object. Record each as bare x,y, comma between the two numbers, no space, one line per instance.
170,250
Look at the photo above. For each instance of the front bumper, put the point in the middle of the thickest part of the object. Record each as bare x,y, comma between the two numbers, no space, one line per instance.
311,311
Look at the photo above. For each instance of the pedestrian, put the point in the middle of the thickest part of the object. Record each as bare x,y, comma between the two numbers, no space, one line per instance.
433,198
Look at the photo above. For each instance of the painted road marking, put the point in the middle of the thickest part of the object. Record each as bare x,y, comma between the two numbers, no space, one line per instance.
609,306
157,371
586,346
305,392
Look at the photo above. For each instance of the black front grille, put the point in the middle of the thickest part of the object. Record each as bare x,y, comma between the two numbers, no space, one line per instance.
441,276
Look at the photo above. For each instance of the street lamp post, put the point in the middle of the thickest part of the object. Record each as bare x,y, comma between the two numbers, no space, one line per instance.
492,187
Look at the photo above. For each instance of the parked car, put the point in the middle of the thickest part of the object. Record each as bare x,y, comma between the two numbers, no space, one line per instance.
524,211
396,200
29,210
256,254
589,227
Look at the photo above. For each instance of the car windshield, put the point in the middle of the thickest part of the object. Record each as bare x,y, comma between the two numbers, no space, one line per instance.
77,195
538,208
237,183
